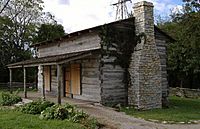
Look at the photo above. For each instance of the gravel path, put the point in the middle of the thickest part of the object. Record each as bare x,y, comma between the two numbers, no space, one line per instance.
112,119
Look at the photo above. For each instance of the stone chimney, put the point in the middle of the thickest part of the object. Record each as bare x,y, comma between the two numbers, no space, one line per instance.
145,90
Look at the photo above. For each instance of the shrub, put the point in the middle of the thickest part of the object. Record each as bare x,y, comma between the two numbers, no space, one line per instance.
35,107
9,99
63,112
91,123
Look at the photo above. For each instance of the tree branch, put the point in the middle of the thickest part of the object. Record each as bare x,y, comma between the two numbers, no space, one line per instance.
4,6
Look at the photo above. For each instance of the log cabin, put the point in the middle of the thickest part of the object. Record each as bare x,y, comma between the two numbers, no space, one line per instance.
122,62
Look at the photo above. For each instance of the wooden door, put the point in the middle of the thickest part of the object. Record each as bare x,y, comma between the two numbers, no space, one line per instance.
67,81
47,78
75,79
72,80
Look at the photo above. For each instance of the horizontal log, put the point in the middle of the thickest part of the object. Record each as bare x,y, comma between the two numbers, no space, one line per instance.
112,76
90,92
86,85
90,80
91,64
114,91
88,42
90,69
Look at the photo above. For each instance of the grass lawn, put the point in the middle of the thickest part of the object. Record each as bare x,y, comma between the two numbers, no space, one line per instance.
10,119
180,110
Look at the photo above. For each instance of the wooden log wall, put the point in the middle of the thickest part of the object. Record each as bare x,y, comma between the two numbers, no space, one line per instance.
113,89
161,43
90,78
90,83
84,42
54,82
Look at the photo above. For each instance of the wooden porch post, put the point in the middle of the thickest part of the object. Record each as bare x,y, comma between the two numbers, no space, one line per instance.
59,67
43,84
25,90
10,85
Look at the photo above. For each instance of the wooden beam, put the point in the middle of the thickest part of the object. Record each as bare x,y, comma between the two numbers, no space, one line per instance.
59,67
36,78
10,86
43,84
25,90
74,58
32,65
43,64
13,67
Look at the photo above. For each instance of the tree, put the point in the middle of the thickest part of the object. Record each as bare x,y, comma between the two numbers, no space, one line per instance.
19,24
184,54
22,17
49,32
3,5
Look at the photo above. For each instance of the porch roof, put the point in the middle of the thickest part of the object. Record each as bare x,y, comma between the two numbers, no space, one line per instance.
52,60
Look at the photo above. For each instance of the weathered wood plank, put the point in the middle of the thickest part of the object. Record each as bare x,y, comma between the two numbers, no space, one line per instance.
59,83
85,42
25,90
10,86
90,80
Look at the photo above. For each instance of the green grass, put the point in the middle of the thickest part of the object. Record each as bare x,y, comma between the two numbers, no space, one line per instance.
13,119
10,119
180,110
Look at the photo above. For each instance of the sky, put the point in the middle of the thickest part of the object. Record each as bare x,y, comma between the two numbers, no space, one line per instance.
77,15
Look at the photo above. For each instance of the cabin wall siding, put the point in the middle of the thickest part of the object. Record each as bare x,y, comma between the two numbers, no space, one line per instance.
90,83
161,43
113,90
84,42
54,81
90,79
104,83
112,75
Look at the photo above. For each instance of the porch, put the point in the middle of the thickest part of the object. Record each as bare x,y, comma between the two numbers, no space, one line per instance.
62,75
33,95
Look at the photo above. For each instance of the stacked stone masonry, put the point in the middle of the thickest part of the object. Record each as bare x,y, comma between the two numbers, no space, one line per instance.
145,90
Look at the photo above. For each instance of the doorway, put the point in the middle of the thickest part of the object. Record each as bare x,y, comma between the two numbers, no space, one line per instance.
47,78
72,80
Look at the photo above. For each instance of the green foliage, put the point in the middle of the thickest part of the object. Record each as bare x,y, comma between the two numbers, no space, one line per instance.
35,107
20,21
91,123
12,119
62,112
122,40
8,99
184,55
56,116
48,32
120,43
180,110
